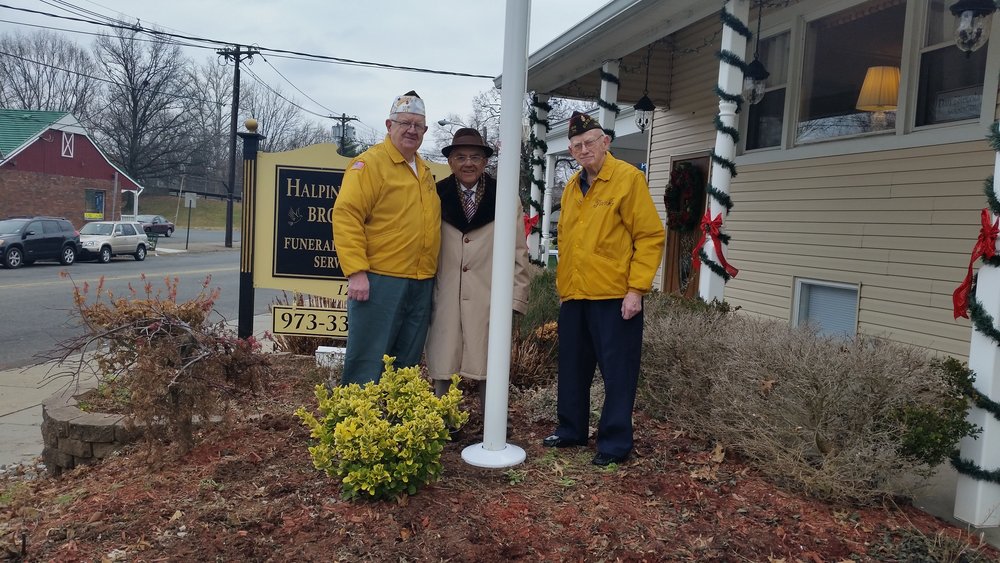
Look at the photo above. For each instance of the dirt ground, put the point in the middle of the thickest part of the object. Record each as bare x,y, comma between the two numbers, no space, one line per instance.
250,493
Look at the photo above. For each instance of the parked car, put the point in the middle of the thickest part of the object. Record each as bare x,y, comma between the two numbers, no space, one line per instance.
157,224
101,240
26,239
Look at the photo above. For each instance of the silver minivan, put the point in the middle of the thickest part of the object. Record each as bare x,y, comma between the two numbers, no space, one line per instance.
101,240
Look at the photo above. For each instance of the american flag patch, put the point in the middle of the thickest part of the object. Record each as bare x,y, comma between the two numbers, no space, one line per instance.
358,165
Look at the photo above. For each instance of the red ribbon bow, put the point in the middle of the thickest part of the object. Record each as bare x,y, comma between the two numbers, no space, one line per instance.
529,223
711,228
986,247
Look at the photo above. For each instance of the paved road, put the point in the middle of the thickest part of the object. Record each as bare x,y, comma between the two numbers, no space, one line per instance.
37,300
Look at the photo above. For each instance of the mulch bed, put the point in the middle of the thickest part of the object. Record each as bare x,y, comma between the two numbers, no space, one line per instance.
249,492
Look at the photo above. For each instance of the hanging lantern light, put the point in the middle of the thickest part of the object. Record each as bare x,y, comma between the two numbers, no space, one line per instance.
973,19
755,76
644,108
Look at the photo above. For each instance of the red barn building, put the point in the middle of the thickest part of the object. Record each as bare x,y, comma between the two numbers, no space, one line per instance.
49,165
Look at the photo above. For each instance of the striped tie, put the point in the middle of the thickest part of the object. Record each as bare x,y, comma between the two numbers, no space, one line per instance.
469,203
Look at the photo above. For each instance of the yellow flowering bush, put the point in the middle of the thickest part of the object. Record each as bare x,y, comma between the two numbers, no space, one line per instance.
383,440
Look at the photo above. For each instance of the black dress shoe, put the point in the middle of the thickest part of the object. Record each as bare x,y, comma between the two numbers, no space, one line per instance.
556,441
607,459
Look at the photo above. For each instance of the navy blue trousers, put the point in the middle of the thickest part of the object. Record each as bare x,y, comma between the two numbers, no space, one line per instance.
593,334
393,321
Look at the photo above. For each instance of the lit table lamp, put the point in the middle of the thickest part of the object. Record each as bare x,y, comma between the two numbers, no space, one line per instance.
879,93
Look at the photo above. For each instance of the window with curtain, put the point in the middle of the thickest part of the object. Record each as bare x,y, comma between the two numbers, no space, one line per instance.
765,119
839,50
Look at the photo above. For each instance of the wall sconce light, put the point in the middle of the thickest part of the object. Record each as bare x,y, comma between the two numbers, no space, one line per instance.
973,19
644,108
755,76
879,93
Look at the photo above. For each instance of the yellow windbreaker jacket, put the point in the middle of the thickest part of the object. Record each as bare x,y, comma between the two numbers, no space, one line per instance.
611,240
387,220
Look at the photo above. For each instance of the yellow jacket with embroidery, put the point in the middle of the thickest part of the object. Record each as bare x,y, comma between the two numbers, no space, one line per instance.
610,240
386,219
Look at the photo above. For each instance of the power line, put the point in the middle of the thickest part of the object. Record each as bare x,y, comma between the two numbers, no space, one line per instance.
260,81
138,28
105,80
299,90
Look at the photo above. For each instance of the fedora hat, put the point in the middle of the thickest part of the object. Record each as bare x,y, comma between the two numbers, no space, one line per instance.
467,137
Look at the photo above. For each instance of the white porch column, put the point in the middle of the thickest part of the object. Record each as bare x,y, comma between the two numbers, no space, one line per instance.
977,502
540,105
550,180
711,286
609,94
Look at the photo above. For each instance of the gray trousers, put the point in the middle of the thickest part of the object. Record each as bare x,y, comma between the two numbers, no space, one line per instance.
392,322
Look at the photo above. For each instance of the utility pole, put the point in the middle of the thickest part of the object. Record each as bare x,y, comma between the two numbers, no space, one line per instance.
236,54
344,120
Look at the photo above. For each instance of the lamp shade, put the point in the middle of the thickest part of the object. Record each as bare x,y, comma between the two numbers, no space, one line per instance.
880,90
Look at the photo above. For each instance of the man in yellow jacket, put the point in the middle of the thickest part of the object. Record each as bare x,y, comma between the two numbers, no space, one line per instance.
387,231
610,244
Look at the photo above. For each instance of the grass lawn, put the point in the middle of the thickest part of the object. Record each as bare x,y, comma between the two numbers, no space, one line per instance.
208,213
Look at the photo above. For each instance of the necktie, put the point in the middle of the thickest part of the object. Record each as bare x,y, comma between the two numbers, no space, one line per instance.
469,203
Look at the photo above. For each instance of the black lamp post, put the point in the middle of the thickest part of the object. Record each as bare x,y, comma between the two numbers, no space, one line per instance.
973,23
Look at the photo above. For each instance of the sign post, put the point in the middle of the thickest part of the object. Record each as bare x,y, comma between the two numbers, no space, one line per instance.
190,201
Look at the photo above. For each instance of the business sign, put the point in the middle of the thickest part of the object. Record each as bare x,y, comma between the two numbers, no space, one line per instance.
303,223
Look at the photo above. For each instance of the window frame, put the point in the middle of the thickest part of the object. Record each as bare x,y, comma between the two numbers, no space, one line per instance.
798,284
795,19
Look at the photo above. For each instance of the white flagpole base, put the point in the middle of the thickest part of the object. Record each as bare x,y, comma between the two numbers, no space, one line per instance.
479,456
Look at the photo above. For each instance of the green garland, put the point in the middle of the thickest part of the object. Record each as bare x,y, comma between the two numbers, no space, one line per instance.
730,58
537,145
984,323
969,468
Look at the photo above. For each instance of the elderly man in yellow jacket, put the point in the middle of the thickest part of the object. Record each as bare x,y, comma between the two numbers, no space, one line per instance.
387,231
610,244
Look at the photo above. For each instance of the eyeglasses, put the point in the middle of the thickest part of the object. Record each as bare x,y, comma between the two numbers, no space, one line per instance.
474,159
589,144
407,125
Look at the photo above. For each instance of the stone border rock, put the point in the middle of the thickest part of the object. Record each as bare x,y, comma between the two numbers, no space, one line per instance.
72,437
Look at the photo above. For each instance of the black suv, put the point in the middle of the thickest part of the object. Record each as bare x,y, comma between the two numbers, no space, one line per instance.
26,239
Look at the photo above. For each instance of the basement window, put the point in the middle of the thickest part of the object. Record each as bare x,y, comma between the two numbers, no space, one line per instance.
831,307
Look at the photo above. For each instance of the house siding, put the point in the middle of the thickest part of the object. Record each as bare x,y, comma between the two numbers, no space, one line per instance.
685,128
898,223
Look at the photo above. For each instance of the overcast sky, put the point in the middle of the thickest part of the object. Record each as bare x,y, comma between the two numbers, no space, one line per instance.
459,36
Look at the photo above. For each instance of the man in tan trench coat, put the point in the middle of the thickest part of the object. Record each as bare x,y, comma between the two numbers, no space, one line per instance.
460,314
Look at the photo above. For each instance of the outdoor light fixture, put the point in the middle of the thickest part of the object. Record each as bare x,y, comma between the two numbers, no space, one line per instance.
879,93
755,76
973,23
644,108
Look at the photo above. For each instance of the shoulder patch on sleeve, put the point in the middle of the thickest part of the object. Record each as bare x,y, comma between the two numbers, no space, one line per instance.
358,165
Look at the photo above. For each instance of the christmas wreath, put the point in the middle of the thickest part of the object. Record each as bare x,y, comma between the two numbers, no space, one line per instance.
685,197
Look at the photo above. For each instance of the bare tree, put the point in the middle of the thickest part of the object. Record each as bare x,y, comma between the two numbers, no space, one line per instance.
278,118
44,71
210,87
147,122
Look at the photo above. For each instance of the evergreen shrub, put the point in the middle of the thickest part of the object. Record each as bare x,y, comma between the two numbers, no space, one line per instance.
384,439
